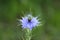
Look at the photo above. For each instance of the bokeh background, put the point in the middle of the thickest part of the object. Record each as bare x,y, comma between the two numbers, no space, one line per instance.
47,10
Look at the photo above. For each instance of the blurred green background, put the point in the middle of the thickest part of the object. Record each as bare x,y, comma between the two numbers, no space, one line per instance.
47,10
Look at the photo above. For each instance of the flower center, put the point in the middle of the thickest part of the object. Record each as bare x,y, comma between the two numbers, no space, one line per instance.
29,20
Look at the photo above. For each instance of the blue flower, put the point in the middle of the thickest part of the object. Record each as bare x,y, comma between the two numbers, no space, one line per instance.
29,22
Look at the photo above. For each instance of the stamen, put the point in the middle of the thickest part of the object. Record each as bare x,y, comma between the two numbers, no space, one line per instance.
29,20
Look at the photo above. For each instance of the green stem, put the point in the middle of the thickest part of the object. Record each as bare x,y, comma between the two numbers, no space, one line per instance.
28,34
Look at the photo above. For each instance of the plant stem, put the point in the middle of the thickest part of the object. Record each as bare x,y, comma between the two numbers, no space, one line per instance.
28,34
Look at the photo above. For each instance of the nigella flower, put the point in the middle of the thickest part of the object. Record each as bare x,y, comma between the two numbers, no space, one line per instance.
29,22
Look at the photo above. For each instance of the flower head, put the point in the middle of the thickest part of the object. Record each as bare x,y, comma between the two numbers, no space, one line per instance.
29,22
